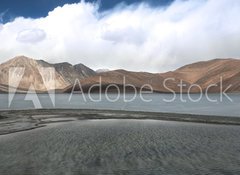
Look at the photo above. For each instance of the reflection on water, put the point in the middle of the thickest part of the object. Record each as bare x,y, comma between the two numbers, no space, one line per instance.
122,147
158,103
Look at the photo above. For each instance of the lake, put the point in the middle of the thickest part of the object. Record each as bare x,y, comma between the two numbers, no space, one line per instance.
122,147
219,105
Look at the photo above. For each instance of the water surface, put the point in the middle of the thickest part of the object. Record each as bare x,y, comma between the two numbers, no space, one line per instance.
122,147
182,104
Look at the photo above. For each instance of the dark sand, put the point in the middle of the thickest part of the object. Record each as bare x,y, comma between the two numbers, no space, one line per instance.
21,120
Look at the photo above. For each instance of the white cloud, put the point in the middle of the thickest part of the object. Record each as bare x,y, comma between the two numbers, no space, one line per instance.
31,35
137,37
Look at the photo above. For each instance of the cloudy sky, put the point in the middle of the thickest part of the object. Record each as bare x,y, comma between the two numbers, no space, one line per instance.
154,35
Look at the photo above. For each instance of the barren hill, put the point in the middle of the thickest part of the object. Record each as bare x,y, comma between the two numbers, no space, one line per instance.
210,73
24,73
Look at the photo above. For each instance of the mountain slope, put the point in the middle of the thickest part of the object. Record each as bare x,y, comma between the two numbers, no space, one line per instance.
70,72
120,78
208,73
26,73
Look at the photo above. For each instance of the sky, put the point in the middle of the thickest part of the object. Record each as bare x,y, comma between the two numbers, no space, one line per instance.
40,8
147,35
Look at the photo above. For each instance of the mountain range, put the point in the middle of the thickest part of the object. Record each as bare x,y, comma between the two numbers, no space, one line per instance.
26,74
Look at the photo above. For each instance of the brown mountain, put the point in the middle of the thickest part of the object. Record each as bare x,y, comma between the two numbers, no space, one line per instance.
121,78
23,72
70,72
208,75
26,73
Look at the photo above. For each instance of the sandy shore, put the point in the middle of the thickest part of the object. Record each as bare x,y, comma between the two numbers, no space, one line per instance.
21,120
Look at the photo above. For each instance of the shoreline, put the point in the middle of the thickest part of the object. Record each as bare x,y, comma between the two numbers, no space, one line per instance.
12,121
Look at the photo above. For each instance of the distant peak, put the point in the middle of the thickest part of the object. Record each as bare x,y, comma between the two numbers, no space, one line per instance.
102,70
63,64
21,58
80,65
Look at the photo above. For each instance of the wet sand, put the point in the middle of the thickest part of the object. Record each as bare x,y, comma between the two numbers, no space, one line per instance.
21,120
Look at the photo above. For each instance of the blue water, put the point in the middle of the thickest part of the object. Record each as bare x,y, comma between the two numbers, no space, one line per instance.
224,106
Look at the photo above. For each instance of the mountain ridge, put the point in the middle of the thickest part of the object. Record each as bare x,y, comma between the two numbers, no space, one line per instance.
203,73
